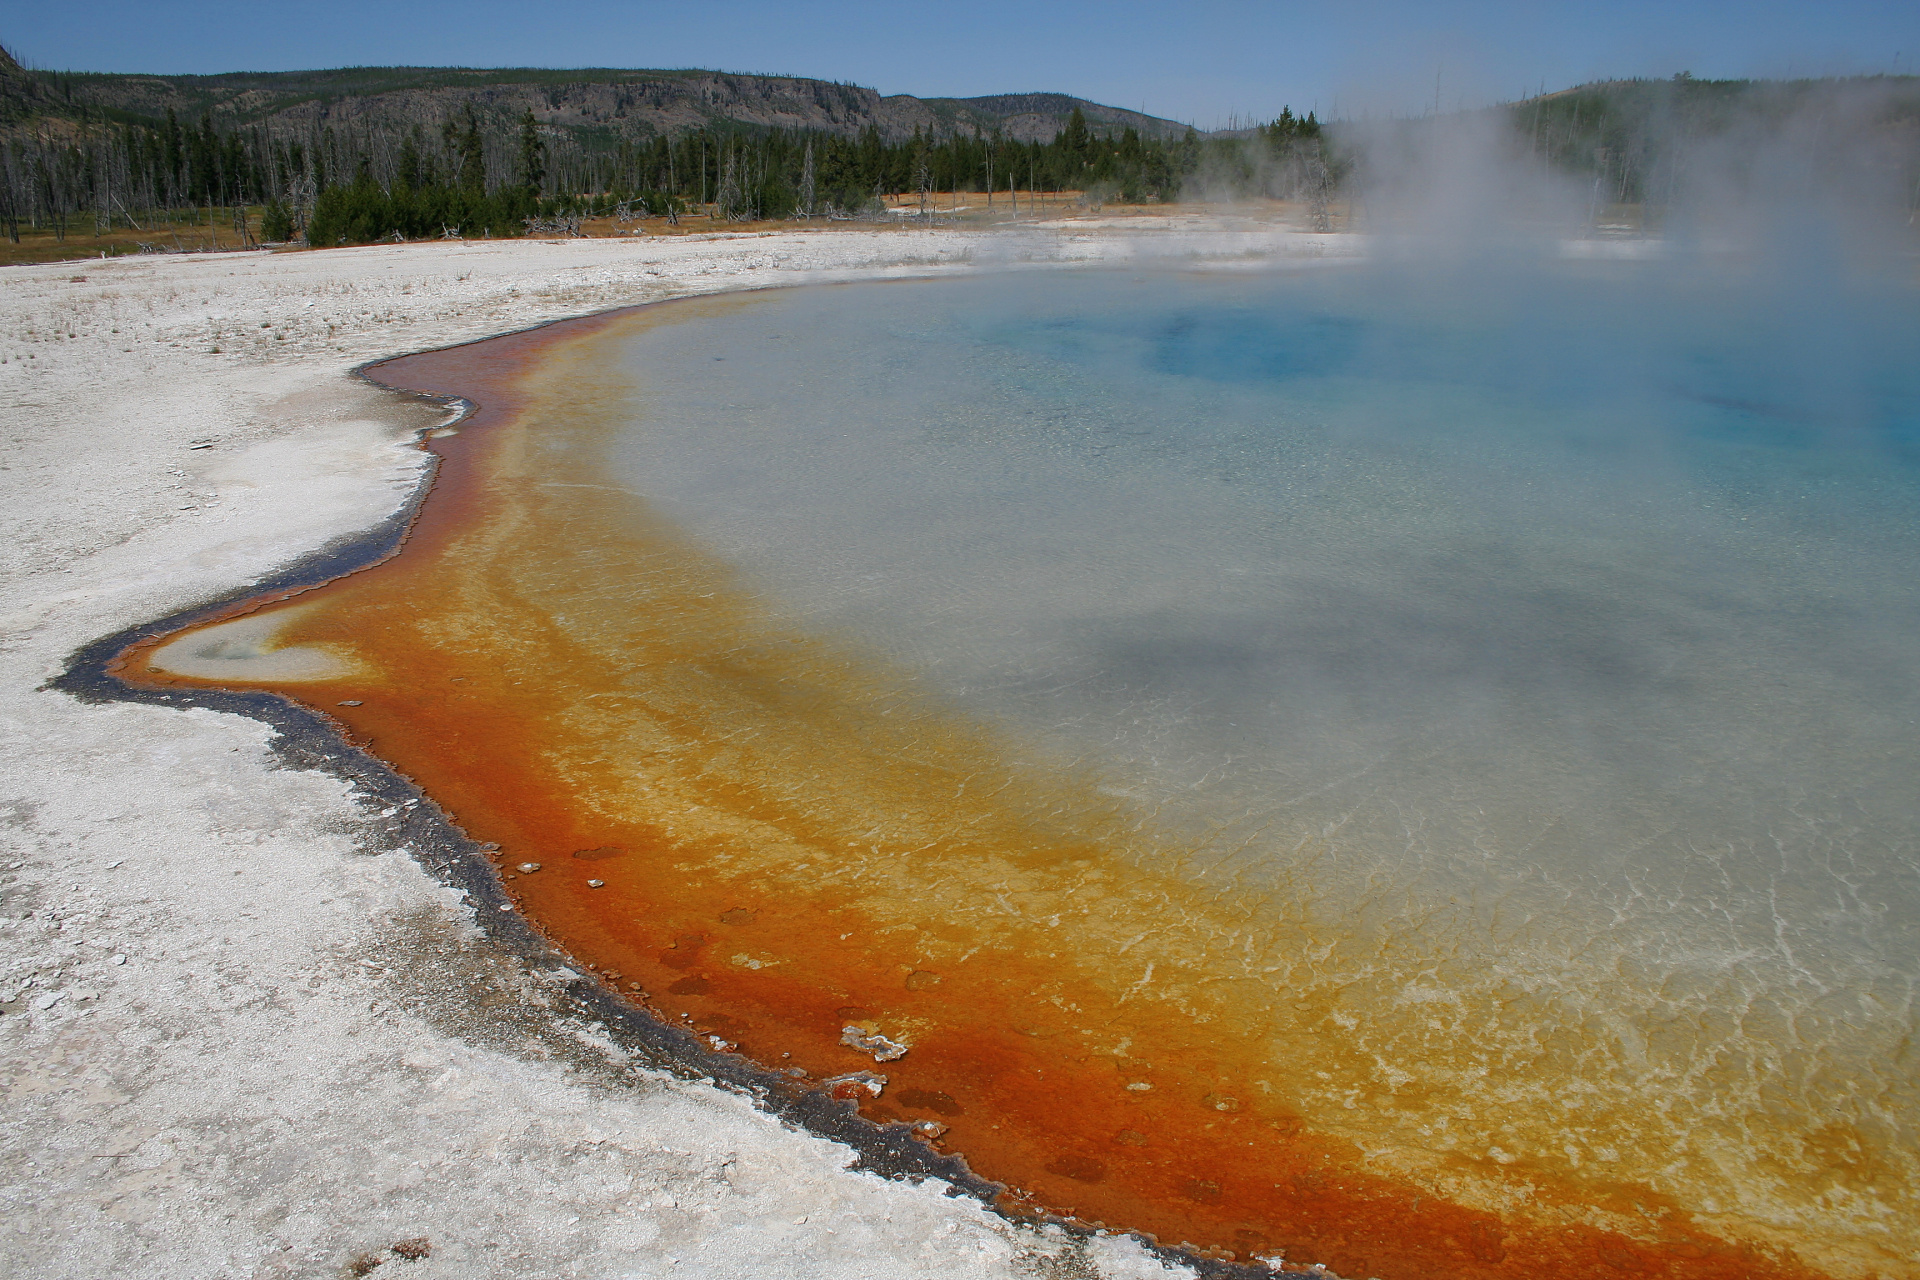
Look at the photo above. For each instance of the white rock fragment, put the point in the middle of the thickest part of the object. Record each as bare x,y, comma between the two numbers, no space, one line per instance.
882,1049
49,1000
117,959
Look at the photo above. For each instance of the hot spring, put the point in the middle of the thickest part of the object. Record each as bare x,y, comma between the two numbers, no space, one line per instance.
1405,768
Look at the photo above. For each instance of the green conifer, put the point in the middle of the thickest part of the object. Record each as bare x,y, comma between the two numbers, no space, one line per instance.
533,167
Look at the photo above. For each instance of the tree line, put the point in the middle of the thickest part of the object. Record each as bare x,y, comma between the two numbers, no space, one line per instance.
479,177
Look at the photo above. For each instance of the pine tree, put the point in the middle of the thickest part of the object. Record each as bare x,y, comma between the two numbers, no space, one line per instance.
533,167
1076,138
473,161
408,177
276,225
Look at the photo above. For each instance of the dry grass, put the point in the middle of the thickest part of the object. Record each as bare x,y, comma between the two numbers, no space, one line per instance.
81,239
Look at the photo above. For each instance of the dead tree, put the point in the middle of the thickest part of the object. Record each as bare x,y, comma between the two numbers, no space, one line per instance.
1318,181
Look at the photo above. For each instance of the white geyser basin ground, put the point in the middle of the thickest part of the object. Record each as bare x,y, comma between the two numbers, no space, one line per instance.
242,1034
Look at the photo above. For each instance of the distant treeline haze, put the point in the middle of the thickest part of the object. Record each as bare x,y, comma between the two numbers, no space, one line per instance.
464,164
1647,142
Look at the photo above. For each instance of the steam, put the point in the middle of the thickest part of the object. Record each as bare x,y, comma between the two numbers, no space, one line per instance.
1827,170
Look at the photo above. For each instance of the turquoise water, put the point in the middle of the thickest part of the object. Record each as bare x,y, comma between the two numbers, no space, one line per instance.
1493,635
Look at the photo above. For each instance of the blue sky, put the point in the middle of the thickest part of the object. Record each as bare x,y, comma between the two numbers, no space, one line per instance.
1201,61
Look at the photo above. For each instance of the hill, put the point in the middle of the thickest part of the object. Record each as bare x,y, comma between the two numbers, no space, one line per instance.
597,108
381,152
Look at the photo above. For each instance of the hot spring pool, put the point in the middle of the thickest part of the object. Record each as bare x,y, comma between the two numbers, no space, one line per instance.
1411,766
1531,658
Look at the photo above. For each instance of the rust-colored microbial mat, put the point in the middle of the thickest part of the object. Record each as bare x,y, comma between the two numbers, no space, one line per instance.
778,839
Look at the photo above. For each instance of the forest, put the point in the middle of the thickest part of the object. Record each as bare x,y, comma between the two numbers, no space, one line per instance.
379,160
436,186
341,187
1643,142
475,175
